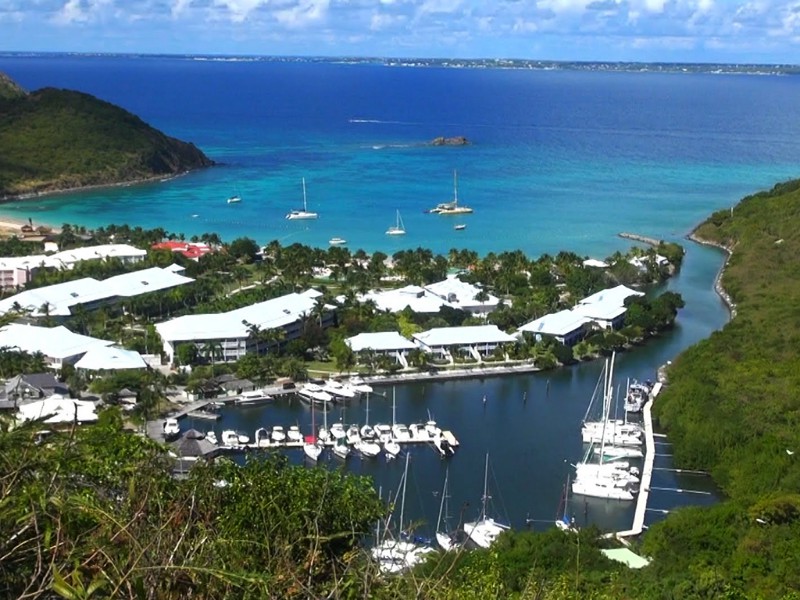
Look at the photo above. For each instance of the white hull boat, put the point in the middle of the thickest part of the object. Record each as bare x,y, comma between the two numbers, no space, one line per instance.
302,215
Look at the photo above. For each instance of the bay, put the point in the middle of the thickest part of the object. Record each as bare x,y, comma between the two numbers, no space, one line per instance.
559,160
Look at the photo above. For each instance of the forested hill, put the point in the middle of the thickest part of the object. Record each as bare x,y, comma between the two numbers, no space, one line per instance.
54,139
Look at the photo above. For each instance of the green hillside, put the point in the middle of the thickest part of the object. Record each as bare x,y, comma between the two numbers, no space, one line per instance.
60,139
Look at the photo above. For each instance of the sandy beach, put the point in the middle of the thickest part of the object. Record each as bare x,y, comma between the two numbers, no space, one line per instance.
10,226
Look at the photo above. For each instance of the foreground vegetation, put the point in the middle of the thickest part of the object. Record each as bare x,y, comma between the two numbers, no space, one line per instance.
60,139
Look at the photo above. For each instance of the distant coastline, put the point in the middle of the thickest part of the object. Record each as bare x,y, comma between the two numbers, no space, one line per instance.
459,63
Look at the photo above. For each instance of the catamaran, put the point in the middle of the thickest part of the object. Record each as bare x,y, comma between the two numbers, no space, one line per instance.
302,214
452,207
398,228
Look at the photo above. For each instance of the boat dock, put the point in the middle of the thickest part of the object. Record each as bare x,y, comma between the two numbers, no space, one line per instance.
647,470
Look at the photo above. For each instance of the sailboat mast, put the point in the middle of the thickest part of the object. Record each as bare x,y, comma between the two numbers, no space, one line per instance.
403,499
305,208
441,504
485,498
455,187
393,407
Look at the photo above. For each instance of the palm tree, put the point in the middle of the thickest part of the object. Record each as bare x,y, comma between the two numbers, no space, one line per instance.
212,350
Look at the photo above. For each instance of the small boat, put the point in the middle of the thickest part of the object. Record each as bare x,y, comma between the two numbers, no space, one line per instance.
211,437
294,435
452,208
312,447
253,397
368,449
171,428
563,521
353,436
360,385
485,531
314,394
337,241
278,434
262,437
233,439
234,200
392,448
398,228
444,536
460,227
335,388
305,214
341,449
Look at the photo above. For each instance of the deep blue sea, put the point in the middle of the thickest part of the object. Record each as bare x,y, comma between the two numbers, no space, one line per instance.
558,160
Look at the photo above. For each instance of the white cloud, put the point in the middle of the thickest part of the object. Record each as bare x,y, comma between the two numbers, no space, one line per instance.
304,13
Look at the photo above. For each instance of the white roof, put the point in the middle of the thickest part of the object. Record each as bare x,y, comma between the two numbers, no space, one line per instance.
144,281
600,311
558,324
97,252
55,342
175,268
62,296
58,409
110,358
26,262
459,293
593,262
382,340
474,334
418,299
613,296
270,314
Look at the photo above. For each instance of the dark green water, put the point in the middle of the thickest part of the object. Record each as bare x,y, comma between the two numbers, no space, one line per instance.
529,425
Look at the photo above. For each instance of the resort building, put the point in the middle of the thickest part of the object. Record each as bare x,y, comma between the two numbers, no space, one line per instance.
123,252
643,262
451,292
191,250
606,307
59,300
58,345
567,326
228,336
388,343
462,295
597,264
17,271
477,341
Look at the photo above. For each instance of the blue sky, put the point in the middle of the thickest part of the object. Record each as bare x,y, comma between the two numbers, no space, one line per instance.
752,31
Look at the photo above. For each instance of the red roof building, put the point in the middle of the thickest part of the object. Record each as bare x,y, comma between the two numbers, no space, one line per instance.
191,250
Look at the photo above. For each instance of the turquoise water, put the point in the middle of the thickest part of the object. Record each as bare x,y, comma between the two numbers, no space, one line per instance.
559,160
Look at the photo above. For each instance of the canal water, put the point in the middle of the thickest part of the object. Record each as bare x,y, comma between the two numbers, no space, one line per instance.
529,426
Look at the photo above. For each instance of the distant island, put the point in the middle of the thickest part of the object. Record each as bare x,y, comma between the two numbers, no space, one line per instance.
57,140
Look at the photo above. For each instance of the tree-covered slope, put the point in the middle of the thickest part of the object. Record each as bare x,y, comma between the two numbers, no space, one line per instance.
54,139
733,403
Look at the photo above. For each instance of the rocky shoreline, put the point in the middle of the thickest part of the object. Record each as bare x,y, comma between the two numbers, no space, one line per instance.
718,287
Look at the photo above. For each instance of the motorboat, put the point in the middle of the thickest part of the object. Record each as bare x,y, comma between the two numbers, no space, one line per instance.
368,449
314,394
352,435
360,385
262,437
338,432
278,434
235,199
304,214
392,448
384,432
460,227
212,437
242,439
341,449
337,241
312,449
637,396
398,228
230,438
367,432
401,433
253,397
443,446
294,435
485,531
336,388
172,428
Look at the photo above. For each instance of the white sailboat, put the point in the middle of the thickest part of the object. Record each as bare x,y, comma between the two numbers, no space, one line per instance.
604,480
395,555
444,537
235,199
304,214
452,208
312,448
398,228
391,446
485,530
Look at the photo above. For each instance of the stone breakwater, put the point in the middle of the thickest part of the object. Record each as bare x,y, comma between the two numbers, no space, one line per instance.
639,238
718,287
